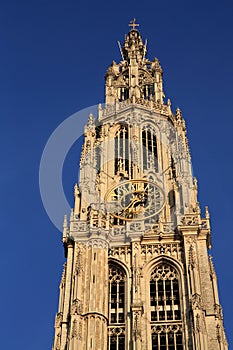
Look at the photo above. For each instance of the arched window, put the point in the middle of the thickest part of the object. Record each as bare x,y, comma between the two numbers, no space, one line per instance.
122,151
165,308
122,154
149,151
116,309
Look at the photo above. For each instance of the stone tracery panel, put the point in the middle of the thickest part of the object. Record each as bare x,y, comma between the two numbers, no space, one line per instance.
149,251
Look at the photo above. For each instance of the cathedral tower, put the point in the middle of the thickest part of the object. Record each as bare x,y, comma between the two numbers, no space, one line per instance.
138,275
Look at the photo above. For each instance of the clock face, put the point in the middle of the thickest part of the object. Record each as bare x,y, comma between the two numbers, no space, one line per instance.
135,199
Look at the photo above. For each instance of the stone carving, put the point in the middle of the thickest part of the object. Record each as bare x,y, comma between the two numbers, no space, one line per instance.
168,227
152,250
115,274
58,319
218,311
135,153
108,109
120,230
205,224
166,328
74,331
136,272
181,147
192,257
190,220
134,119
77,307
79,262
135,226
63,278
155,106
164,272
212,270
218,333
97,243
197,323
116,330
120,251
91,122
80,330
80,226
97,217
58,342
149,104
191,239
162,227
137,325
123,104
196,302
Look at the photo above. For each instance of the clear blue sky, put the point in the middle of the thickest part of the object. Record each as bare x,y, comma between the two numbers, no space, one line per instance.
54,55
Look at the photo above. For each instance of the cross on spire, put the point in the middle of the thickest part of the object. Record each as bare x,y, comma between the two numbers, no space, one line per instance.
133,24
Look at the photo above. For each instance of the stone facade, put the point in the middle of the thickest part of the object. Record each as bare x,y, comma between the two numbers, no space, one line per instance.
138,274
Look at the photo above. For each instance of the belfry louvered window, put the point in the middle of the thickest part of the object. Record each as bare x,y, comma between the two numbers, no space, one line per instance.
122,150
149,149
116,310
165,309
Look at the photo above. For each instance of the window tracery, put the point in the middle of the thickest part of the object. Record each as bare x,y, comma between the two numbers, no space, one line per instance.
167,337
122,164
149,149
116,330
165,307
122,151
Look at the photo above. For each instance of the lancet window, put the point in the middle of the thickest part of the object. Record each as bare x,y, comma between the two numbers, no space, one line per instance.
116,310
149,149
165,309
122,151
173,168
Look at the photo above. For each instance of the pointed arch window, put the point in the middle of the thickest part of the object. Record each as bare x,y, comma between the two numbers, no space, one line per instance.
165,308
116,309
149,149
122,159
122,151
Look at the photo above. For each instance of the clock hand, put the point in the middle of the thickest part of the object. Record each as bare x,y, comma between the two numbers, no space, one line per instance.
130,204
136,200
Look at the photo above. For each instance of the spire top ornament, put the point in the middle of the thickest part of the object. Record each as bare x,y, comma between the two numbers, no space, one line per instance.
133,24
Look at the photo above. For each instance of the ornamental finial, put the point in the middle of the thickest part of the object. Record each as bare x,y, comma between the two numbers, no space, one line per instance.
133,24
